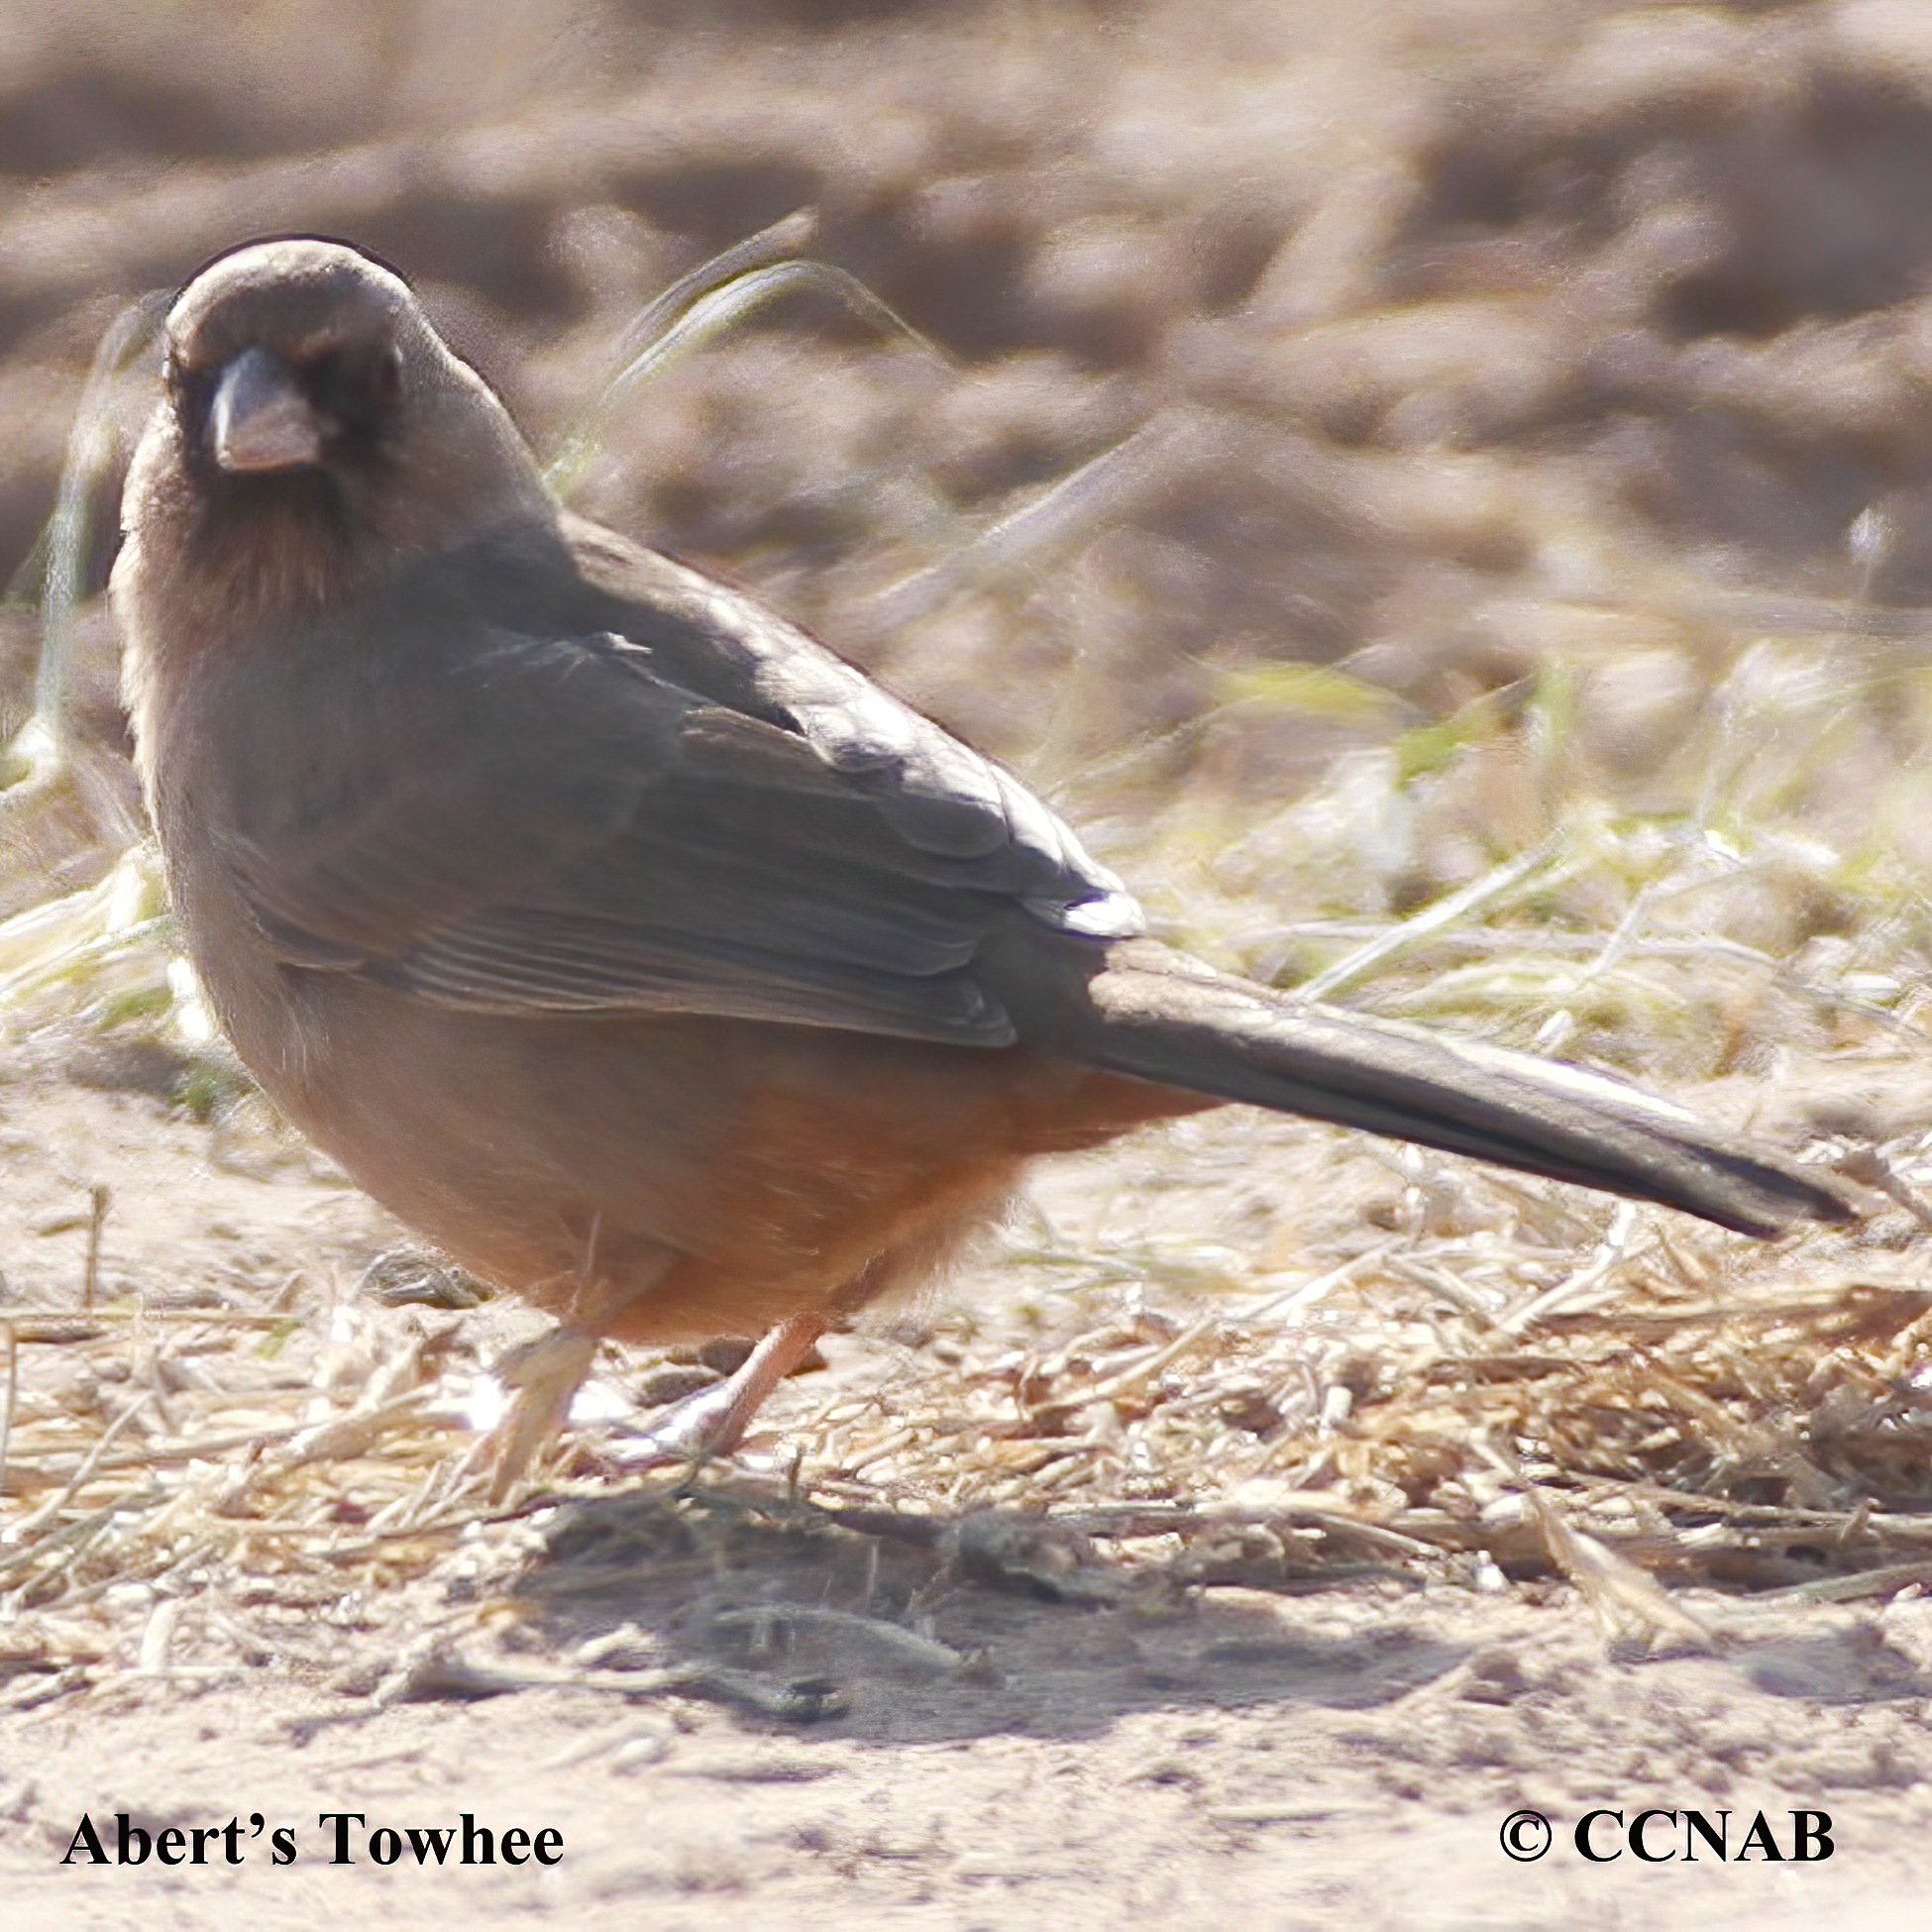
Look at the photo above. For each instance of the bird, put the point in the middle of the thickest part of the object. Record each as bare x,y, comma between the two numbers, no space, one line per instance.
639,952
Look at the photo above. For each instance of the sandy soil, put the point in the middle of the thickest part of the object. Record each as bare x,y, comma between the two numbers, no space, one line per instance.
1345,1756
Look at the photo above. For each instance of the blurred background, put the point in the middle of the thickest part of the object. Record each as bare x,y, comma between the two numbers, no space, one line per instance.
1438,490
1346,447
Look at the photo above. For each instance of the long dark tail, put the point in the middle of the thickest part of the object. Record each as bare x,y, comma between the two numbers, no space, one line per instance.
1161,1017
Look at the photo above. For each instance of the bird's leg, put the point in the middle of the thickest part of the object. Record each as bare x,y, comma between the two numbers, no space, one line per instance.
546,1375
713,1421
548,1372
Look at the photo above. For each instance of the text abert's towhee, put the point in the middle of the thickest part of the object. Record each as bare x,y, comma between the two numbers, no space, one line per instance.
638,951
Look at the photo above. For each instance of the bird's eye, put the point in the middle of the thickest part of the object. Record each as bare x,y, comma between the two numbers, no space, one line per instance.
358,387
191,390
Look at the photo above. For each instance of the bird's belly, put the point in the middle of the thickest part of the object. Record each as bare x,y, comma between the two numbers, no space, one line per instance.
716,1175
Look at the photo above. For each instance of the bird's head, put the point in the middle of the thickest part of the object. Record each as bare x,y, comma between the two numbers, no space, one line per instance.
315,431
294,355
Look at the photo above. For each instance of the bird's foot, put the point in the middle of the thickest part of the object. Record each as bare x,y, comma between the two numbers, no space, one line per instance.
546,1375
712,1422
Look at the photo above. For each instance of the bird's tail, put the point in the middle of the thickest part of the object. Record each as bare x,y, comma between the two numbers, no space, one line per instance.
1161,1017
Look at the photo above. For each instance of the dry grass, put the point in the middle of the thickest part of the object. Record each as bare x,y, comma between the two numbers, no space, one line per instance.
1439,1373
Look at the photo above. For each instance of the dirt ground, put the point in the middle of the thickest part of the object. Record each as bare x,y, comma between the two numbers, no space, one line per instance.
1341,1752
1346,1763
1439,492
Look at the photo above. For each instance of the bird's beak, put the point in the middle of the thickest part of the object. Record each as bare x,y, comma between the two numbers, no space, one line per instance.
261,418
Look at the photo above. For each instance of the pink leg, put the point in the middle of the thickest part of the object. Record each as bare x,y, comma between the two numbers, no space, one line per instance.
713,1421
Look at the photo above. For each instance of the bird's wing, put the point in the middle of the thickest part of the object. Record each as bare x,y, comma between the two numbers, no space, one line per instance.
634,791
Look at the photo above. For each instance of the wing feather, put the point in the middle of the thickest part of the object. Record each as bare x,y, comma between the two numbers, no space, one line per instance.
632,790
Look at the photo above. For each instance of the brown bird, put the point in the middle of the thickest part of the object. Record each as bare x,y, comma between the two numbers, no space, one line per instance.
631,945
